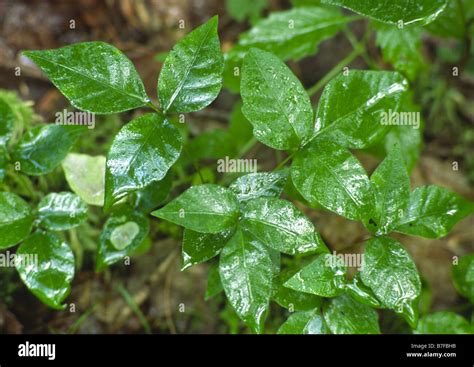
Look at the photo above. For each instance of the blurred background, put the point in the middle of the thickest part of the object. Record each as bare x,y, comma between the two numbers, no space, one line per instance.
153,295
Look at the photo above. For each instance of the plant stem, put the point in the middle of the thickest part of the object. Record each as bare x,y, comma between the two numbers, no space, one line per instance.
358,50
155,108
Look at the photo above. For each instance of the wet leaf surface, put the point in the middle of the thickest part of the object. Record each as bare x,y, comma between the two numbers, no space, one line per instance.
16,219
62,211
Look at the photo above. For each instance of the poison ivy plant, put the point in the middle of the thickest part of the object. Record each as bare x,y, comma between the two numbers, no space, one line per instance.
263,248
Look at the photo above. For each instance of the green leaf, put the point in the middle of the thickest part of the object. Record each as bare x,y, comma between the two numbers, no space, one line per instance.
142,152
452,21
46,266
122,234
43,148
324,277
463,276
401,47
200,247
16,219
443,322
260,184
343,315
7,121
330,175
61,211
309,322
291,299
191,77
242,9
275,102
395,11
392,275
280,225
151,196
433,211
354,108
94,76
294,33
391,185
361,293
85,175
205,208
246,272
214,285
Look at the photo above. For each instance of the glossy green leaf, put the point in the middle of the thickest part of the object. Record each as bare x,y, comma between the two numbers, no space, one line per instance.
392,275
191,77
354,109
324,277
205,208
280,225
46,266
200,247
43,148
214,285
391,185
260,184
61,211
151,196
291,299
294,33
401,47
7,121
452,21
94,76
395,11
122,234
463,276
85,175
142,152
343,315
330,175
309,322
444,322
16,219
246,272
275,102
433,211
361,293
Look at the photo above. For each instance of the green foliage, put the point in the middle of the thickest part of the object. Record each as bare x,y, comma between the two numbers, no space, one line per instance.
245,227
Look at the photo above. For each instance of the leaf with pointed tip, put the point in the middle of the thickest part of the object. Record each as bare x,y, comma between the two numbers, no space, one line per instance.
401,47
200,247
204,208
43,148
392,275
16,219
324,277
260,184
391,185
275,102
61,211
308,322
433,211
280,225
246,272
395,11
214,285
343,315
291,299
151,196
444,322
85,175
353,108
361,293
94,76
463,276
142,152
46,266
191,77
330,175
122,234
